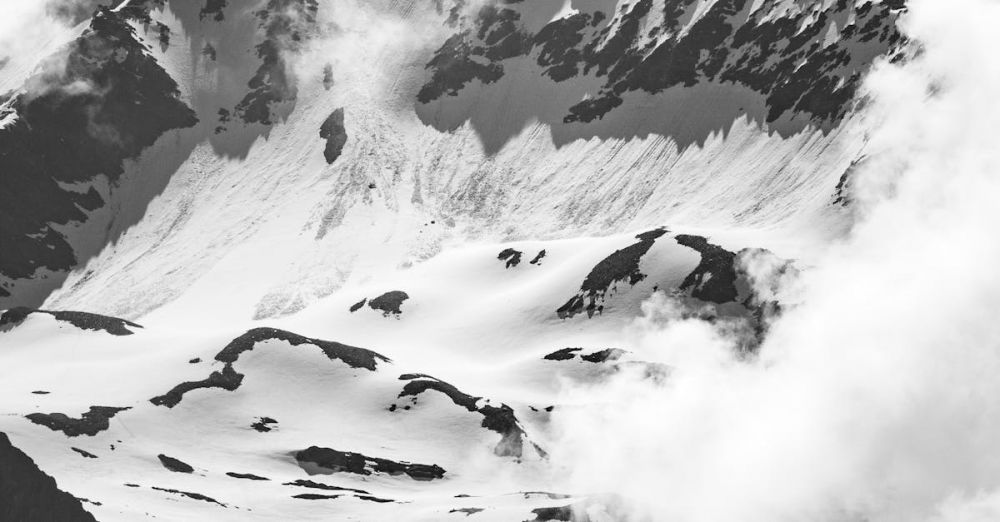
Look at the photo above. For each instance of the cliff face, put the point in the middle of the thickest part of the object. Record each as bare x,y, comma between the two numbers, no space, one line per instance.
101,101
28,494
803,61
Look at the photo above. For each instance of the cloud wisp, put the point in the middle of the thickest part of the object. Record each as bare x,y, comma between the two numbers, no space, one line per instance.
874,399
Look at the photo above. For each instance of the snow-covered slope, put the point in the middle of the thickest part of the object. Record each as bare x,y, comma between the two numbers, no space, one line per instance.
368,243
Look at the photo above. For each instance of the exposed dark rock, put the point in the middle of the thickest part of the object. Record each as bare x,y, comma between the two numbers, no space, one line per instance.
209,52
511,256
610,354
561,513
327,76
85,454
370,498
784,57
335,134
538,258
621,266
563,355
188,494
499,419
714,279
285,24
357,306
461,59
213,9
90,423
174,465
163,35
40,392
389,302
28,494
228,379
315,496
263,424
302,483
349,355
468,511
67,135
196,360
81,320
342,461
246,476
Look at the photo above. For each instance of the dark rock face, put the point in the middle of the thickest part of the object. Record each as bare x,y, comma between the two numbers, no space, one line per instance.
714,279
784,58
302,483
560,513
102,101
188,494
609,354
803,64
315,496
499,419
81,320
175,465
600,356
229,379
342,461
246,476
84,453
27,493
285,24
621,266
335,134
213,9
263,424
389,302
511,256
357,306
349,355
90,423
563,355
538,258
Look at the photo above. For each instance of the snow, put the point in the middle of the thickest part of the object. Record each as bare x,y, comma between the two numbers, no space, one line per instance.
253,228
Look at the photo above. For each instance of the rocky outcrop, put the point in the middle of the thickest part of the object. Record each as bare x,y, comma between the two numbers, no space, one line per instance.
101,101
27,493
335,134
622,266
81,320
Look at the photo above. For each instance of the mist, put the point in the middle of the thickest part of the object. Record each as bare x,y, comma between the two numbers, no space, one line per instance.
876,396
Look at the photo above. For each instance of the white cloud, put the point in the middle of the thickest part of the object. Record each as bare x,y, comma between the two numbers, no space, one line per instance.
877,398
